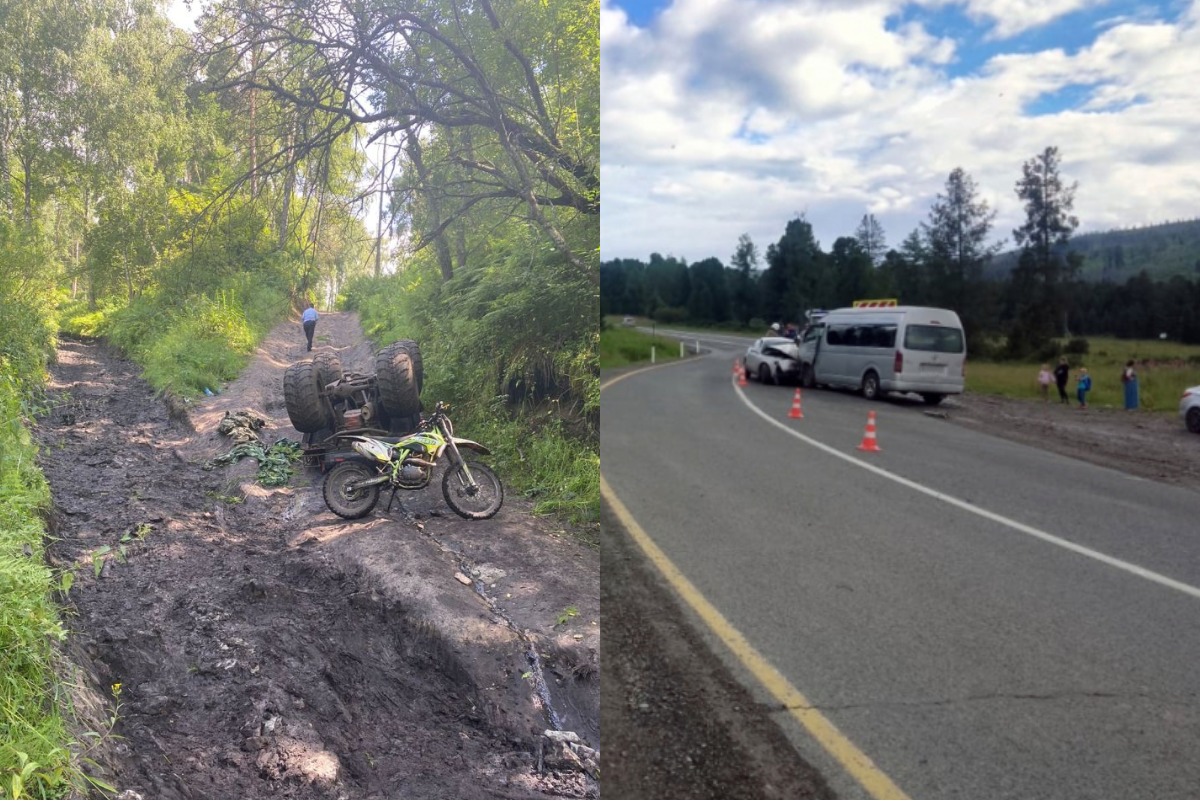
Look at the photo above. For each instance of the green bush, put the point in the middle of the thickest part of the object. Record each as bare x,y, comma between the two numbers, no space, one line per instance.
1076,346
1050,351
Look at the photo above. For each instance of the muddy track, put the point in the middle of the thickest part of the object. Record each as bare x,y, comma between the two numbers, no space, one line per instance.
265,649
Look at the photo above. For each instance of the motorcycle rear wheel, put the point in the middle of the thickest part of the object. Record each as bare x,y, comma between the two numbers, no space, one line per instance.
474,503
341,500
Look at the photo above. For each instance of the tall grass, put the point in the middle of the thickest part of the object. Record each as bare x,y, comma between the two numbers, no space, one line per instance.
186,345
1164,370
34,759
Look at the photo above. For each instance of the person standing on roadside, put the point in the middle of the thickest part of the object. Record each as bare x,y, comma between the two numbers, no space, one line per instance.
1083,387
1044,382
1130,382
309,321
1061,373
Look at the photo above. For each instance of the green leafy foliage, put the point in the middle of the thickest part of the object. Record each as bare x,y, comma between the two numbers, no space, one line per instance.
514,347
27,333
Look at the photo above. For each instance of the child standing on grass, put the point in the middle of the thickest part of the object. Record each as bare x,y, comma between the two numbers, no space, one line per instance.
1083,387
1044,378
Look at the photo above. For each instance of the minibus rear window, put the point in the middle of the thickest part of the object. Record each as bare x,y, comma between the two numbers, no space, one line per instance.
934,338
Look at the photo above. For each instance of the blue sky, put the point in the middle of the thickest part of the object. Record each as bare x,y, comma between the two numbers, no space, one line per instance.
724,117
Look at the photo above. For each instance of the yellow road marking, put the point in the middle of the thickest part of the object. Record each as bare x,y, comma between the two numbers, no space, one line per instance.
855,762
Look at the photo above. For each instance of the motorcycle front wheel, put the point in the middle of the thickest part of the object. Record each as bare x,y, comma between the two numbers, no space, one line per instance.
344,501
478,502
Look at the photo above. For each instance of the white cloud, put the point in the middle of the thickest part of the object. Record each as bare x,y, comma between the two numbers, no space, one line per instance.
1010,17
726,117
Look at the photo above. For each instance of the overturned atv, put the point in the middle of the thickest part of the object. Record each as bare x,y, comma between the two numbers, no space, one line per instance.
325,403
320,396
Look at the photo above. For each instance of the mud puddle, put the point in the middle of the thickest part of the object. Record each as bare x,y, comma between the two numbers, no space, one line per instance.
249,646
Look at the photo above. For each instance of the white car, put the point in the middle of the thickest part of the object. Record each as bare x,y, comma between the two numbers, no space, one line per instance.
1189,409
773,360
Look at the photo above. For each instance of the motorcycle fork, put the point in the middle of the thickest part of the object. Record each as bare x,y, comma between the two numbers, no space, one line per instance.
457,462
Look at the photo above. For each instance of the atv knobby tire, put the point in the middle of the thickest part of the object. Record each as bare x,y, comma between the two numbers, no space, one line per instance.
414,353
302,397
396,373
329,367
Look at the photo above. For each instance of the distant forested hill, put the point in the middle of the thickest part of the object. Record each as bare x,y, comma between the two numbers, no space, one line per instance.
1113,257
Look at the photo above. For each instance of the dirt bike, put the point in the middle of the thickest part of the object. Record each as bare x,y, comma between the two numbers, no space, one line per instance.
471,489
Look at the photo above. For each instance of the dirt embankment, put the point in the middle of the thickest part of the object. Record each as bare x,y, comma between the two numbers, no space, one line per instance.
264,648
1154,445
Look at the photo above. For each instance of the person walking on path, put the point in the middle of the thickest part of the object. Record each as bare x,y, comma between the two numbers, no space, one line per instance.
1083,387
1130,382
309,321
1044,383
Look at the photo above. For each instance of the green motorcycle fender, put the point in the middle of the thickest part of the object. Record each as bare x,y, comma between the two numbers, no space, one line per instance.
471,445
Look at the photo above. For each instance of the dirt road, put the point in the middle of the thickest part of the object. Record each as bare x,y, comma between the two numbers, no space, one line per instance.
252,645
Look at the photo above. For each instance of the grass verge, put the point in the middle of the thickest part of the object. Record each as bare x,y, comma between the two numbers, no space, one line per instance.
35,761
621,347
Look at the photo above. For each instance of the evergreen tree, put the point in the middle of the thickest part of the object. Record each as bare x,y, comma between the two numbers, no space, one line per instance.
871,239
744,284
906,270
797,276
957,249
708,299
1045,270
851,269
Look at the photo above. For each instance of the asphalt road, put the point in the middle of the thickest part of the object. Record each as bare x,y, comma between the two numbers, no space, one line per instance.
976,617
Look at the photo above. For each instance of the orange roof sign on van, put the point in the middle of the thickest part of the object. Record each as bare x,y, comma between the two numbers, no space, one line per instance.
875,304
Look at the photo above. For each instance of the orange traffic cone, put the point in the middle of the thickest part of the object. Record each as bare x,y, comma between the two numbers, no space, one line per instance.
741,373
869,443
795,413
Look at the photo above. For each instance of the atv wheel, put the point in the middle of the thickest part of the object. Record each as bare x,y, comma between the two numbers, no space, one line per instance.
395,370
474,503
344,501
329,367
414,353
302,396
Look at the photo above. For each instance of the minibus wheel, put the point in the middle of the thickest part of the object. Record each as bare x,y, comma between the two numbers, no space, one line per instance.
870,386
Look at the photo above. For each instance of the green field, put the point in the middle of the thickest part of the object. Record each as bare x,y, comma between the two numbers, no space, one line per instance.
1164,370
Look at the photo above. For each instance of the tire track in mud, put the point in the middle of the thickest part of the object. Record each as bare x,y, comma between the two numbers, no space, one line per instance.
249,665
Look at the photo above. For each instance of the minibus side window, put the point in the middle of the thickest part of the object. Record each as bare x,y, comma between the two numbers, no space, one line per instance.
936,338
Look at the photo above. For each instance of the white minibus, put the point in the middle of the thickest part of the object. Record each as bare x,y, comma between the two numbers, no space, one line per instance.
878,350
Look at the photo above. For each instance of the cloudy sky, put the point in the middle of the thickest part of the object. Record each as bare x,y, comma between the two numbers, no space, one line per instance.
724,117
